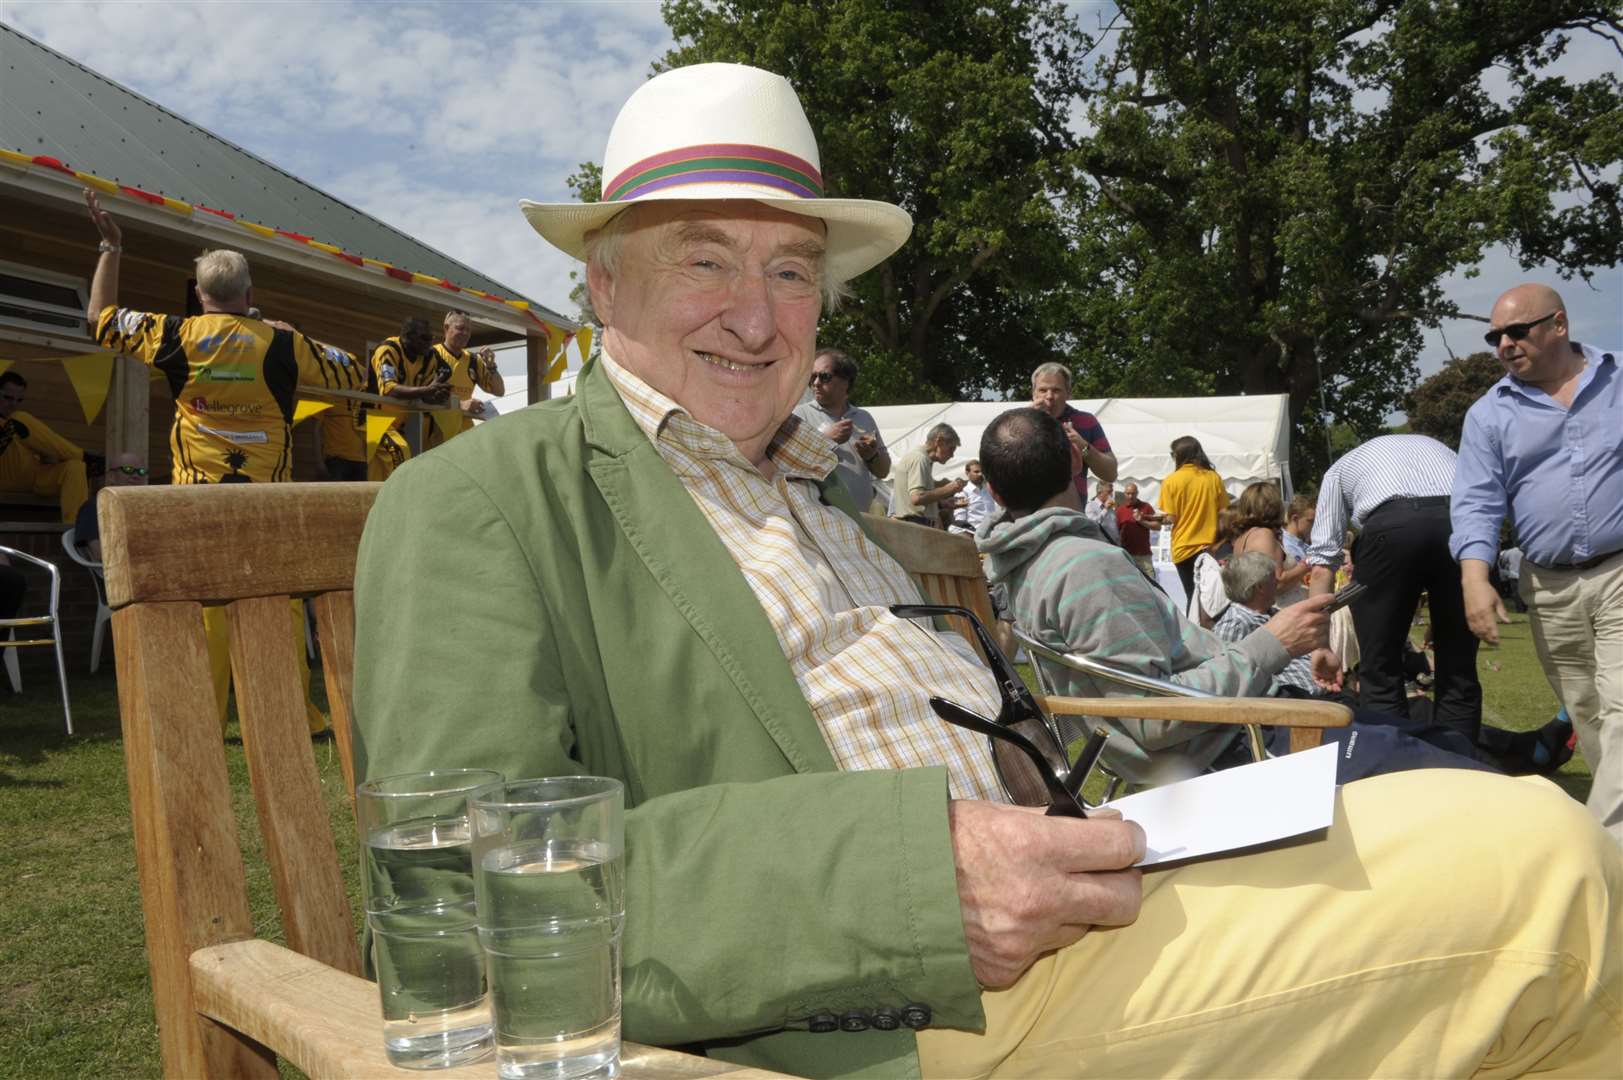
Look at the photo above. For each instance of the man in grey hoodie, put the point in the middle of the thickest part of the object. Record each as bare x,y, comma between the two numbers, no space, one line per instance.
1075,592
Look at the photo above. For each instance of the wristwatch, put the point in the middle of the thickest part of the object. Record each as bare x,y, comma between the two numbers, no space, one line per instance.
107,247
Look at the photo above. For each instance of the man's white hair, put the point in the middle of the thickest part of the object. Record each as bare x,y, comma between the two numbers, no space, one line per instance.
222,276
1244,573
604,247
1051,368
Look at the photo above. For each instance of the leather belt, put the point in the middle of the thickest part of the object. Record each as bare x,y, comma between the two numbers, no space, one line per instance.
1408,502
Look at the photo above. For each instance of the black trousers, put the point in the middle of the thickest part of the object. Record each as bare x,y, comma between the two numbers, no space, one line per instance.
1186,574
1401,553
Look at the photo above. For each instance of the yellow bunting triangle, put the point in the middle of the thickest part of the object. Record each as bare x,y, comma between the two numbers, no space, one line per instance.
91,376
376,425
584,340
449,421
304,410
559,366
5,364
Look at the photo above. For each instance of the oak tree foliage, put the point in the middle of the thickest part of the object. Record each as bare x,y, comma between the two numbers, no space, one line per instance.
1195,196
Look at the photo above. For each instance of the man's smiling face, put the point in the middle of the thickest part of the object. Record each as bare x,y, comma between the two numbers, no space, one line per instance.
715,305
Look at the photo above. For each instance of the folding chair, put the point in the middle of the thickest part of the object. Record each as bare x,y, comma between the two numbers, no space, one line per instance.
36,623
103,613
948,571
227,1002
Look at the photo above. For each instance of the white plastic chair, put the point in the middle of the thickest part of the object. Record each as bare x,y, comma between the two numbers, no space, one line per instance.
103,612
39,621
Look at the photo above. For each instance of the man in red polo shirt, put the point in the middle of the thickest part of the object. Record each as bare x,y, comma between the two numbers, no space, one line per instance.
1135,520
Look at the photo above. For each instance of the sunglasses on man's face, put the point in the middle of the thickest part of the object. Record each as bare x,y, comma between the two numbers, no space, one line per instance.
1516,331
131,470
1026,749
822,377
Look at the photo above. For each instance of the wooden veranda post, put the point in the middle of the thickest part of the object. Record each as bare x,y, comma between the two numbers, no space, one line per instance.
129,409
535,367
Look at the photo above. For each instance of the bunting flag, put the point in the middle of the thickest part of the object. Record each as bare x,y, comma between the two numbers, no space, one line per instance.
18,160
376,425
4,364
449,421
91,376
583,338
559,366
304,410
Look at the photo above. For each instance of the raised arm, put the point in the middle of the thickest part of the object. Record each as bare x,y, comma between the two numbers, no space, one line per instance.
104,283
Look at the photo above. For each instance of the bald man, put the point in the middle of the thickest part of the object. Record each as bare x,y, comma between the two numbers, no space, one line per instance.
1545,445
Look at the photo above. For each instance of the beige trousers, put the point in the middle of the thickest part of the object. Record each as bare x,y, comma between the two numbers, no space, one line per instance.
1577,618
1449,924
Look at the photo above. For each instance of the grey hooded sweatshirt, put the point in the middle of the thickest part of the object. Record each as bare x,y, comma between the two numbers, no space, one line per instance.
1074,592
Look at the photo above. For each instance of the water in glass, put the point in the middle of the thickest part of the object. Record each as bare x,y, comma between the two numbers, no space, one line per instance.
551,932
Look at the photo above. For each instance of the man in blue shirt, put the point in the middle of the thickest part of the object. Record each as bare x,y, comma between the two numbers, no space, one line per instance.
1545,444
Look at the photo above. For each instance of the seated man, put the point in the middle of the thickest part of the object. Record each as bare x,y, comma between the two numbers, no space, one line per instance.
669,587
128,469
34,459
1075,592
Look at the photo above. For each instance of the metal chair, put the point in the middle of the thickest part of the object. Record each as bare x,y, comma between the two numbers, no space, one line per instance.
35,622
1306,719
103,613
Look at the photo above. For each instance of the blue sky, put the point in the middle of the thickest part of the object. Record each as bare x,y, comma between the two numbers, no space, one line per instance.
439,117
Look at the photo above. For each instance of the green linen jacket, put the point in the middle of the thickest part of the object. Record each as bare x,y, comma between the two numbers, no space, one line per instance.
542,597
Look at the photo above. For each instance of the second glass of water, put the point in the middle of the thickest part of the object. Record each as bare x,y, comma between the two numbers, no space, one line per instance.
549,872
420,910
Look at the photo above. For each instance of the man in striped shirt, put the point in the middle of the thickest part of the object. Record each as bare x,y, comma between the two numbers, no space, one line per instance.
1394,490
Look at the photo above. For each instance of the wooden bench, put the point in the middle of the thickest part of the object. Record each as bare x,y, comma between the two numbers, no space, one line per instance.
228,1003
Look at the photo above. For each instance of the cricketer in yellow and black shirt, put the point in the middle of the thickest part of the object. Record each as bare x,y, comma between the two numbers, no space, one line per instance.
394,366
467,371
235,380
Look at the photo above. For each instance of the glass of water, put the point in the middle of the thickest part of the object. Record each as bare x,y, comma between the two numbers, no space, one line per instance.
421,912
549,872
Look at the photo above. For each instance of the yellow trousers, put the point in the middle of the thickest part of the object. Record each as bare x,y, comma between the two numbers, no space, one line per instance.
218,634
66,480
1450,924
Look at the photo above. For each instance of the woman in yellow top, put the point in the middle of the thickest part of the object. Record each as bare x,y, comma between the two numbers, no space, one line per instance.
1191,497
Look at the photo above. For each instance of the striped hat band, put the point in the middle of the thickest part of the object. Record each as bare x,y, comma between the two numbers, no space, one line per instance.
730,163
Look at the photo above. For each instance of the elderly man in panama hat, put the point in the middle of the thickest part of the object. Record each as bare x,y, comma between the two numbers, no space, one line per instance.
671,586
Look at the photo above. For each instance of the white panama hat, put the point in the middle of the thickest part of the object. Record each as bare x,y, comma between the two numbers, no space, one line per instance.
723,131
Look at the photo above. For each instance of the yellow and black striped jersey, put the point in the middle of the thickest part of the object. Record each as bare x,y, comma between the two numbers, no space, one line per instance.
392,366
235,380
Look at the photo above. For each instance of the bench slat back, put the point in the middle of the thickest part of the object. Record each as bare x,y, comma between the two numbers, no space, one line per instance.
170,550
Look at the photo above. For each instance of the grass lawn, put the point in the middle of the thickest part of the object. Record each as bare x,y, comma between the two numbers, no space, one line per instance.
73,967
73,976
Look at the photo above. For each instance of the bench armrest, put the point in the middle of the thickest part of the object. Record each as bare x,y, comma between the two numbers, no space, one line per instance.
329,1023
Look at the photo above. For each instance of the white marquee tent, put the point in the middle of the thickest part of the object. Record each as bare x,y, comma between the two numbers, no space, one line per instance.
1246,438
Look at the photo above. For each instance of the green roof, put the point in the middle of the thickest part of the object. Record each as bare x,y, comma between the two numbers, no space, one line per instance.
57,107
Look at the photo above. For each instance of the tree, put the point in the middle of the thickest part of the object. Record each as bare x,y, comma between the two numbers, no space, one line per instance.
1273,190
957,111
1438,405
